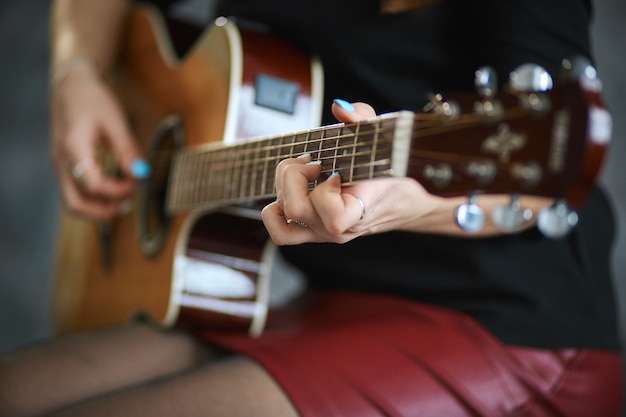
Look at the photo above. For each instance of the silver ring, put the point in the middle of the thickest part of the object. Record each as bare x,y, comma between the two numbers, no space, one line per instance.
78,169
298,222
301,224
362,205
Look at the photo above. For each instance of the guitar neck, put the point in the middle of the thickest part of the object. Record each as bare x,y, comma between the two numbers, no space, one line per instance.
218,176
519,149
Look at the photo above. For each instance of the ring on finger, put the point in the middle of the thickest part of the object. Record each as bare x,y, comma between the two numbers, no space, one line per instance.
361,203
298,222
79,168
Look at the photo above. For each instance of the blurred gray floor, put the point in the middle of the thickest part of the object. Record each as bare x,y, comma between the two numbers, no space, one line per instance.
28,194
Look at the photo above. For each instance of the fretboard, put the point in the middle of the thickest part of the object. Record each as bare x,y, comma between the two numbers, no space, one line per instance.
216,176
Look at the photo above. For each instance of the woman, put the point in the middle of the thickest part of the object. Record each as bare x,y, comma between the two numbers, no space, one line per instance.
411,314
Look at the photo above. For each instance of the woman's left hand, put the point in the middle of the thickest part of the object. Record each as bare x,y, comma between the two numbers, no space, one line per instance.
332,213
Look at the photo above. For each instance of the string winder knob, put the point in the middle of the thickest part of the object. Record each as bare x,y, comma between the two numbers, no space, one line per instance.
486,81
557,221
513,216
578,67
469,216
486,85
530,81
530,78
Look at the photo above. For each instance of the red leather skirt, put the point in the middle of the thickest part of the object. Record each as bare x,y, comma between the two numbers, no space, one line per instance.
346,354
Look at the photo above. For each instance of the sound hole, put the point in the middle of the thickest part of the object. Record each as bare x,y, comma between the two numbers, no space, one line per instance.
154,221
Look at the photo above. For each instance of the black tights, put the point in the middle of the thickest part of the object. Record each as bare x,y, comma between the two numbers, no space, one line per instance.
135,370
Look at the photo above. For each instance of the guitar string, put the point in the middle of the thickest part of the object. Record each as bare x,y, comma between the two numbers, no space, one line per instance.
247,154
422,130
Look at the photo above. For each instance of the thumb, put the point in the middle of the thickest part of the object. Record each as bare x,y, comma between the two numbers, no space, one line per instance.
351,112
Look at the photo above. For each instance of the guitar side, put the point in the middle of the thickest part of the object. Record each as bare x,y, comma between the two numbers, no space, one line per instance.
107,274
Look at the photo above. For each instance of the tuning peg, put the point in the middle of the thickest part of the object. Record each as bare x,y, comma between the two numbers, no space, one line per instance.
530,78
486,81
439,105
556,221
486,84
578,67
469,216
512,217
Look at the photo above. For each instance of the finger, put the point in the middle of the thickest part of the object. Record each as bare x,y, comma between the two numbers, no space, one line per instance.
295,190
124,146
338,211
283,174
96,184
282,165
93,182
78,204
281,232
351,112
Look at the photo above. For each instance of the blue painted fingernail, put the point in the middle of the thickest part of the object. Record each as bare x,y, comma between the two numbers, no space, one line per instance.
140,169
334,174
344,104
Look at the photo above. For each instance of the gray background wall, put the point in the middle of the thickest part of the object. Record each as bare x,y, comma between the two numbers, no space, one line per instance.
28,194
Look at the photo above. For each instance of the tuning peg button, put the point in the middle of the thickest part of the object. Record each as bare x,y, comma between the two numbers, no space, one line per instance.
469,216
486,81
530,78
513,216
578,67
557,221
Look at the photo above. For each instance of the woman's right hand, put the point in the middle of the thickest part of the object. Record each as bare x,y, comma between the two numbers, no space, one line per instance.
85,117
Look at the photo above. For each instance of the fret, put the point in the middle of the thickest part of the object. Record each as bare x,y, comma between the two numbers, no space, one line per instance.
292,143
355,141
258,167
382,135
328,147
248,170
300,144
364,160
346,150
273,158
239,176
195,181
217,175
312,144
265,165
174,191
185,180
235,174
374,155
318,145
204,177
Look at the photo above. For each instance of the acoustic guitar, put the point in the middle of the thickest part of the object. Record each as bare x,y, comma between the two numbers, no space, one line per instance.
192,251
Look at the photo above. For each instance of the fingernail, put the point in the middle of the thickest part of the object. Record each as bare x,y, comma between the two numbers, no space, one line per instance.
334,174
140,169
344,104
316,162
304,155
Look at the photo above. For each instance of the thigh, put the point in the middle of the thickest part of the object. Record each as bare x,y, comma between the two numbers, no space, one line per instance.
350,354
233,386
64,370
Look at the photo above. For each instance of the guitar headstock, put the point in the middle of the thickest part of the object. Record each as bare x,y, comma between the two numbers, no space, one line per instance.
548,143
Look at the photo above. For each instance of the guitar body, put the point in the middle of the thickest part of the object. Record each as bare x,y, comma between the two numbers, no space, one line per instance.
151,263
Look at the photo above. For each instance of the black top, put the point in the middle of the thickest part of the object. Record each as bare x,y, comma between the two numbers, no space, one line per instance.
527,289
